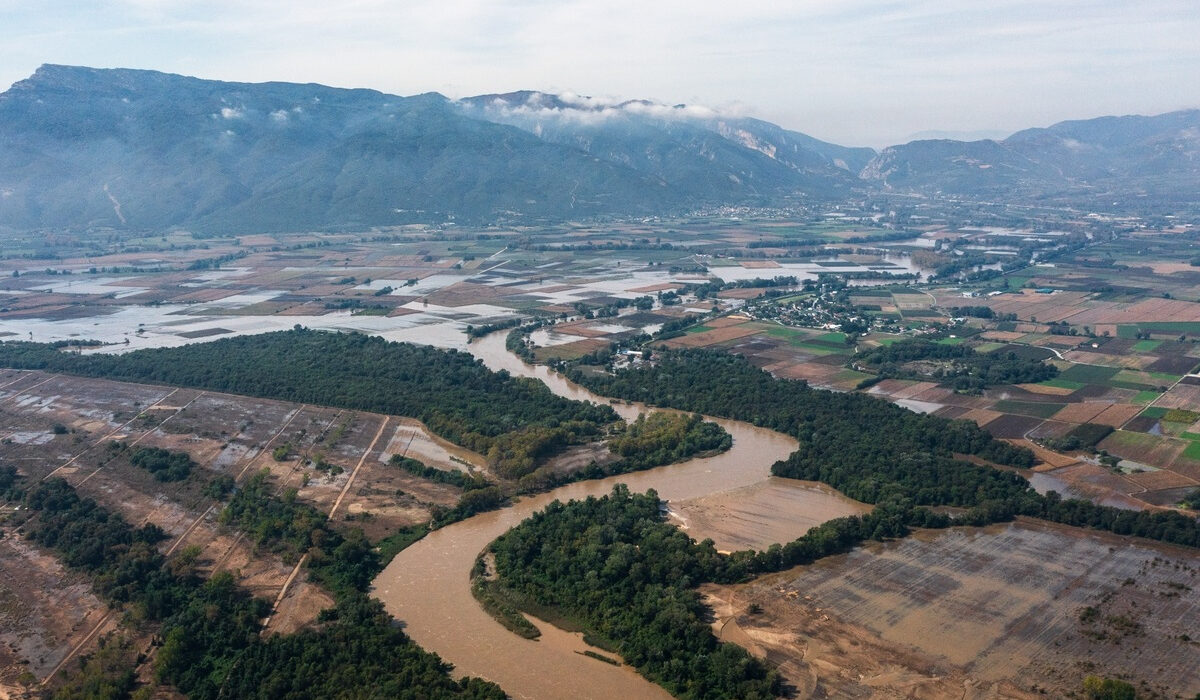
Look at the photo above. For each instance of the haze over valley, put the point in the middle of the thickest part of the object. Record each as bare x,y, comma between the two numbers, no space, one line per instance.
468,386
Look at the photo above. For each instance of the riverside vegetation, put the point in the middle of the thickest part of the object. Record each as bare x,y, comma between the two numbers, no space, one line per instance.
512,420
209,629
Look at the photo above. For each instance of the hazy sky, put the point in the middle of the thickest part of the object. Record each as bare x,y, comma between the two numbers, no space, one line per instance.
850,71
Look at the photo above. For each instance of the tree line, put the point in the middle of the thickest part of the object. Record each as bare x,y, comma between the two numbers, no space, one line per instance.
451,392
959,366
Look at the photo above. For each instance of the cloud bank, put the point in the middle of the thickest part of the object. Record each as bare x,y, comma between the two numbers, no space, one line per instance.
584,109
855,71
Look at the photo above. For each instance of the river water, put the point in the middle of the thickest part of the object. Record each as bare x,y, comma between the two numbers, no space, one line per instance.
427,585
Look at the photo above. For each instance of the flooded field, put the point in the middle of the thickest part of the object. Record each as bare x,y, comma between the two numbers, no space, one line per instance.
1008,609
421,285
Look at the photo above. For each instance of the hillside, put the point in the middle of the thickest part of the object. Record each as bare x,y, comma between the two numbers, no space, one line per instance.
140,150
1126,162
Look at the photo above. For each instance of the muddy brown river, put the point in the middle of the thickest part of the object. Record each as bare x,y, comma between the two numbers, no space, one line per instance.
427,585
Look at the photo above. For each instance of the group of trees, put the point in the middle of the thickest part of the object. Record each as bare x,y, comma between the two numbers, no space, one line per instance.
665,438
612,565
164,464
210,628
711,289
517,453
474,332
462,480
981,312
1084,436
957,365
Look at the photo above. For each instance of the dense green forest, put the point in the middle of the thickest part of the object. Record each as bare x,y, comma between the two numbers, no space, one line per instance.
958,366
665,438
165,465
210,629
454,394
830,426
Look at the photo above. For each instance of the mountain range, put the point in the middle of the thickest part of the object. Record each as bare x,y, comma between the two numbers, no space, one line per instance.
85,148
1108,161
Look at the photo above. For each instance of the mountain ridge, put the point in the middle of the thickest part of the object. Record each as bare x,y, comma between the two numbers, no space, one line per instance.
85,148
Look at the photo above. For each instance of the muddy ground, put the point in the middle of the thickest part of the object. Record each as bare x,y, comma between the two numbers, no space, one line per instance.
1015,610
755,517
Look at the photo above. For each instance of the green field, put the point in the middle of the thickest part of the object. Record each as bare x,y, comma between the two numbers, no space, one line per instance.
1145,345
1192,451
1089,374
836,337
1133,445
816,348
1133,386
1142,381
1162,327
792,335
791,299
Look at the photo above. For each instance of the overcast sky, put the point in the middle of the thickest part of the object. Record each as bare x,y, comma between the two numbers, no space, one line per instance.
850,71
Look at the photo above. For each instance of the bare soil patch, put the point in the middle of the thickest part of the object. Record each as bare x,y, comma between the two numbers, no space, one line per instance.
713,337
45,610
1117,414
755,517
1081,412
